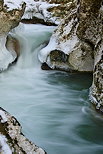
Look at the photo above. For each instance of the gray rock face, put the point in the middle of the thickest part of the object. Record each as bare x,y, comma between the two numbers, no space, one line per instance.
96,91
90,29
11,138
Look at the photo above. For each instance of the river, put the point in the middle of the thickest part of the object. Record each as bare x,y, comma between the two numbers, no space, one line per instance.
52,106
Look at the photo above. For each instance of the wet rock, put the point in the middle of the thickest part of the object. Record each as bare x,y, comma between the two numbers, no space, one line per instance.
12,139
36,20
12,44
44,66
58,60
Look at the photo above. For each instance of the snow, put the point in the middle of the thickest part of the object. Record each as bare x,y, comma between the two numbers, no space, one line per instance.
68,28
13,4
66,47
6,57
5,149
69,45
3,117
45,51
37,9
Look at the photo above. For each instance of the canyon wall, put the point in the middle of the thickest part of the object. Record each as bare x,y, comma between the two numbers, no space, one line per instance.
77,45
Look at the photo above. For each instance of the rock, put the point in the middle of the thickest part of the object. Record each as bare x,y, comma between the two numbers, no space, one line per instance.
79,51
44,66
79,38
96,91
12,139
58,60
13,45
90,29
38,11
8,20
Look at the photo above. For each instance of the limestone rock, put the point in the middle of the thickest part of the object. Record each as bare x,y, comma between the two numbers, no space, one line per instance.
12,139
79,51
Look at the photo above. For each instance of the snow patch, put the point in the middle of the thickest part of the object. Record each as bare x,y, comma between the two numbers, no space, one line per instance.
68,28
13,4
6,57
4,147
45,51
69,45
3,117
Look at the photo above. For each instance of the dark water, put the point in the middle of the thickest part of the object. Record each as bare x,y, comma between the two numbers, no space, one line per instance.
52,106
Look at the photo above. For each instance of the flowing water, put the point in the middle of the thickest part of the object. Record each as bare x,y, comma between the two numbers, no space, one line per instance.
52,106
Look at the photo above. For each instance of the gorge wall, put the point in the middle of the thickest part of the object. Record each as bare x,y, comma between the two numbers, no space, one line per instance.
76,45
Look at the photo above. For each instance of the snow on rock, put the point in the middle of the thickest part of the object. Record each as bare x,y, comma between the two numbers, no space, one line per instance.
37,9
6,57
4,147
45,51
3,117
13,4
75,54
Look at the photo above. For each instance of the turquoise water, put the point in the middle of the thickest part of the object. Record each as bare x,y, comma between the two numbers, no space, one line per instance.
52,106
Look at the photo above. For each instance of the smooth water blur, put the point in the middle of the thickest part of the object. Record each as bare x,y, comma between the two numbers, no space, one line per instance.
52,106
